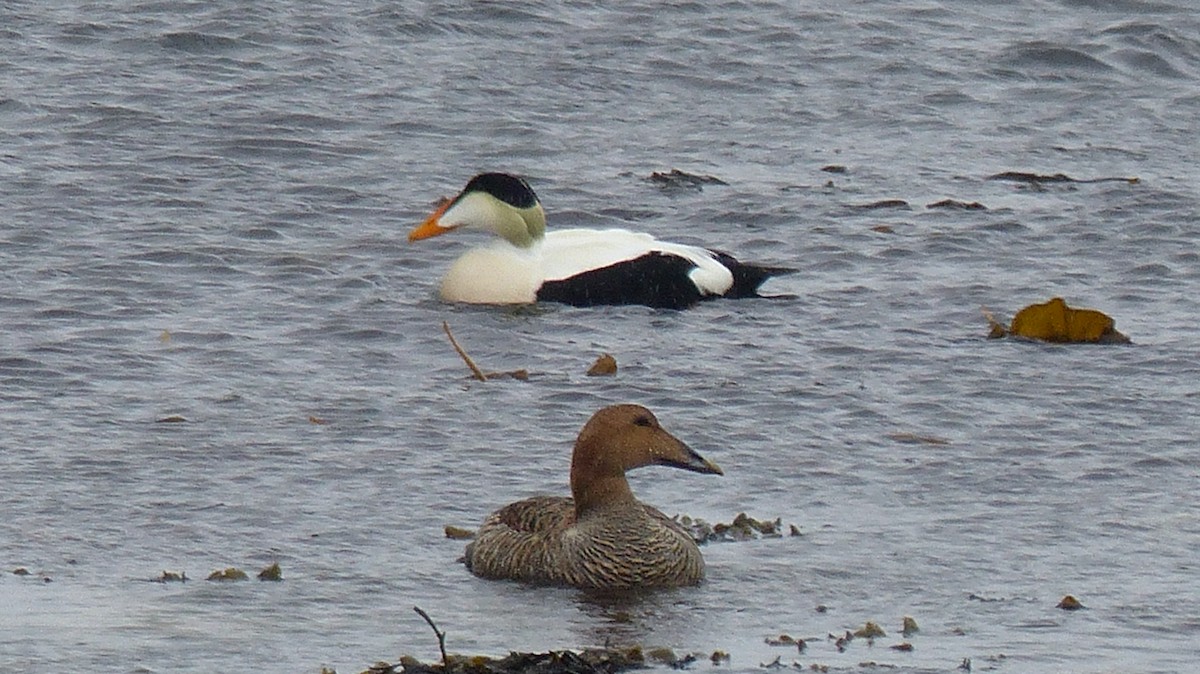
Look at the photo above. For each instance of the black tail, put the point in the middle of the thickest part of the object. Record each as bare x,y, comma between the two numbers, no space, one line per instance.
748,277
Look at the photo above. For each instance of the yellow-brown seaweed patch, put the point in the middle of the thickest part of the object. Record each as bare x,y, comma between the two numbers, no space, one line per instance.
272,573
458,533
1069,603
871,630
227,575
1054,321
605,366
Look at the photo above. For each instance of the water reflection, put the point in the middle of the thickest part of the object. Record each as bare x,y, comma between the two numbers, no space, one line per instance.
623,618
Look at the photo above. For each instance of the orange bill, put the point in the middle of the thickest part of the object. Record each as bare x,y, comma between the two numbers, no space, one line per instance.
431,227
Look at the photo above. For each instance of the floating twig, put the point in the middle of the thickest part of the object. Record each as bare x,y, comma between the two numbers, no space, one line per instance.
441,636
466,359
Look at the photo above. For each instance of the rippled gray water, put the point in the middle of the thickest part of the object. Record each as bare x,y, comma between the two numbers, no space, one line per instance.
204,216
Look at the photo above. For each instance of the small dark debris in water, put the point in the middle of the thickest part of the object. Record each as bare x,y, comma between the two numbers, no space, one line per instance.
914,439
590,661
834,168
22,571
676,179
226,575
605,366
958,205
458,533
882,203
841,642
1023,177
519,375
663,655
173,419
821,608
319,421
272,573
172,577
1038,179
1069,603
788,640
909,627
793,530
870,630
684,662
883,229
719,657
965,665
774,664
904,647
976,597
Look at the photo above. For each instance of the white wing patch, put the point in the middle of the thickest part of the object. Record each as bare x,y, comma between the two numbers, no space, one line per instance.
567,252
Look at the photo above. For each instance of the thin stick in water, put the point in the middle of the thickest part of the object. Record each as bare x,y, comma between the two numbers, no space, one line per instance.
463,354
441,636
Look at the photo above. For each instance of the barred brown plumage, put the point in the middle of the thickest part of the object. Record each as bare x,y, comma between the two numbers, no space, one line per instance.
601,537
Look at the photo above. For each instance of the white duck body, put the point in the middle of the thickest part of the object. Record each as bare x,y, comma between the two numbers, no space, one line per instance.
501,273
582,267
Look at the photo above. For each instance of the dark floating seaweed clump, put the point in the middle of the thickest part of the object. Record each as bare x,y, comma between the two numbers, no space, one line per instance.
1038,179
676,179
589,661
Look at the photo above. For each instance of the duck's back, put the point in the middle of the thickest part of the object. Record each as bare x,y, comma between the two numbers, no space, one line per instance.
538,540
523,541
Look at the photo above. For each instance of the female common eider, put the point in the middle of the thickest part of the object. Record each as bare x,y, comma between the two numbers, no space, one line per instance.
582,267
601,537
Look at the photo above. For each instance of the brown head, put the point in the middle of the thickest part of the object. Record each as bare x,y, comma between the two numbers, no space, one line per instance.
620,438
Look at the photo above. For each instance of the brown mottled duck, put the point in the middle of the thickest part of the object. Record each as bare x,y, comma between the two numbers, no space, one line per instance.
601,537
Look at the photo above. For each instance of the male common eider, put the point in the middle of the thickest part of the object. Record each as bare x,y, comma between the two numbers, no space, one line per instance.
582,267
602,537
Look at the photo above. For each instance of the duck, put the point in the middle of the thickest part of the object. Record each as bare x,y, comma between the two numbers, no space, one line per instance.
601,537
579,267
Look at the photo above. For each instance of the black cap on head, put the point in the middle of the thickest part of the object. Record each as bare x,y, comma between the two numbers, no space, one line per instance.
507,188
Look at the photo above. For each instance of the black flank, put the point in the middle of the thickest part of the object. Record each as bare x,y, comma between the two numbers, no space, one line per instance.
655,280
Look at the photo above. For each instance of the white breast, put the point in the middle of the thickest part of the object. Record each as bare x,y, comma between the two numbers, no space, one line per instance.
497,274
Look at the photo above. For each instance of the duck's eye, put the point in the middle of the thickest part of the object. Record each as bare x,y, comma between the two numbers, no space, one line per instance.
643,420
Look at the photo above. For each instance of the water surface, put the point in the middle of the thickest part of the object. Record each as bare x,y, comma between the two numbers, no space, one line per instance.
205,216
